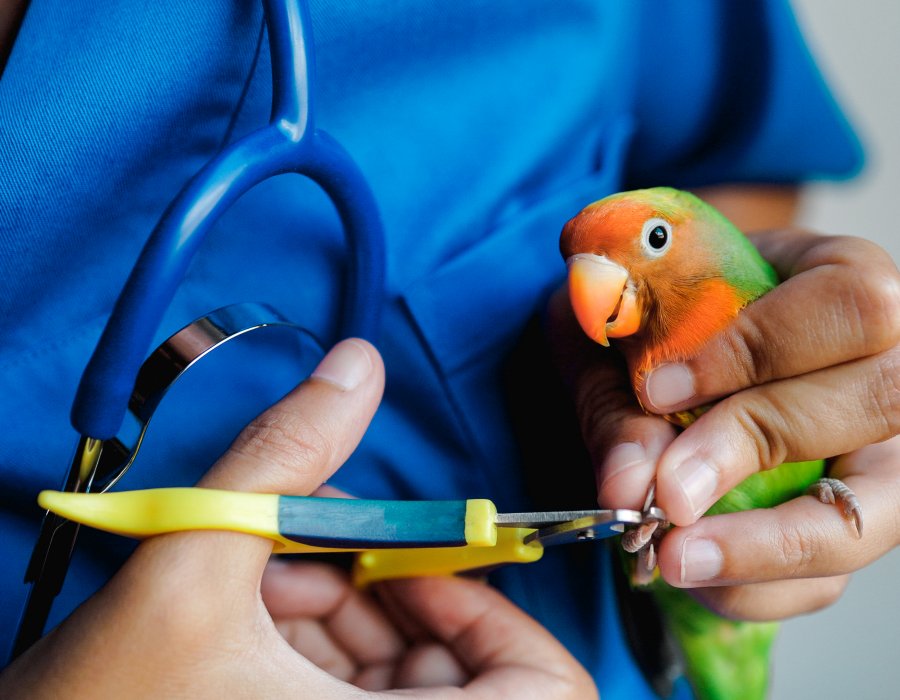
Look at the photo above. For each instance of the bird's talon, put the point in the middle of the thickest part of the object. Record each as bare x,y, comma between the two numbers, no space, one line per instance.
636,539
836,491
650,558
645,566
856,514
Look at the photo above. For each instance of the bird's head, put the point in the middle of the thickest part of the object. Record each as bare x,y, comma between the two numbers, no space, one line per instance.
661,266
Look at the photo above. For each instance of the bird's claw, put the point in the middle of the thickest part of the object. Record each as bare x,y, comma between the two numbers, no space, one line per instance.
644,541
635,540
645,566
835,491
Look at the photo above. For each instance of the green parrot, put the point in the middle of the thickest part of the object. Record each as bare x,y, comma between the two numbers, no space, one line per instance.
662,272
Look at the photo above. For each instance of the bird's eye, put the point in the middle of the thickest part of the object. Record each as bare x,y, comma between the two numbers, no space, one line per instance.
656,237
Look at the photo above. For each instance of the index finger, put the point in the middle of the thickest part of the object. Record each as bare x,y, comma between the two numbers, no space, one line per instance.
840,301
830,411
800,539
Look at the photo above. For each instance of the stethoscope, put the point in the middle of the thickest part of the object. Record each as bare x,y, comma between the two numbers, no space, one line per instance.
118,380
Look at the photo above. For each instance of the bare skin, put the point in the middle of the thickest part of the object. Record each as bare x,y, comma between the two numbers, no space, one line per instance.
807,371
200,614
11,14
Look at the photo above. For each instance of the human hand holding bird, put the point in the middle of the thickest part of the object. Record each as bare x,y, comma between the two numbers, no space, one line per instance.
802,370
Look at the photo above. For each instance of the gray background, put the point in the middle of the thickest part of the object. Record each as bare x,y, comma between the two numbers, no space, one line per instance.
850,650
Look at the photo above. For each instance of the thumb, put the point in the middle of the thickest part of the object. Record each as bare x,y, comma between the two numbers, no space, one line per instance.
290,449
624,442
294,446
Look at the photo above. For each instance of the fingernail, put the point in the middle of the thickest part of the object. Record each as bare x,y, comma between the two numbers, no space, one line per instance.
623,457
624,475
701,560
668,385
697,480
346,366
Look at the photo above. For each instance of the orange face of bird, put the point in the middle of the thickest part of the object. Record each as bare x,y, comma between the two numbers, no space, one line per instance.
661,267
612,248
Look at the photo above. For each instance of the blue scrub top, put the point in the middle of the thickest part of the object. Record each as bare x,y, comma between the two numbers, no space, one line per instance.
481,127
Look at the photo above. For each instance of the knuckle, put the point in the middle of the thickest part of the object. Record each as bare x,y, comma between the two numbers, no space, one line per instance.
762,426
795,550
752,348
876,304
601,404
854,252
284,439
868,285
885,392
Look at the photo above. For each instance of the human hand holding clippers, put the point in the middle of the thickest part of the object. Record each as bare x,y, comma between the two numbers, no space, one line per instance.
200,614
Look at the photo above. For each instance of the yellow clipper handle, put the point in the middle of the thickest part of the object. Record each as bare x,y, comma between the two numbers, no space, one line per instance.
152,512
383,564
308,525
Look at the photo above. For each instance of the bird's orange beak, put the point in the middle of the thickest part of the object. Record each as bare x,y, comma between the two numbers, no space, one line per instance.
603,298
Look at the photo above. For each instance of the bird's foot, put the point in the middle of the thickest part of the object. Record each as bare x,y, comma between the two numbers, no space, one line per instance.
837,492
644,540
638,538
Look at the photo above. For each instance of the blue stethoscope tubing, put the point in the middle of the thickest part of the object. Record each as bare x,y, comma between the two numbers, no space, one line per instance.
290,143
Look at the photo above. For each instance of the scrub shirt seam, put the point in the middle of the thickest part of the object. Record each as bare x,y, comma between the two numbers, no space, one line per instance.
198,273
462,425
232,123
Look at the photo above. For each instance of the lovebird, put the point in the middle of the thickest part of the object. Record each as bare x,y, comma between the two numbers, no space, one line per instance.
660,272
